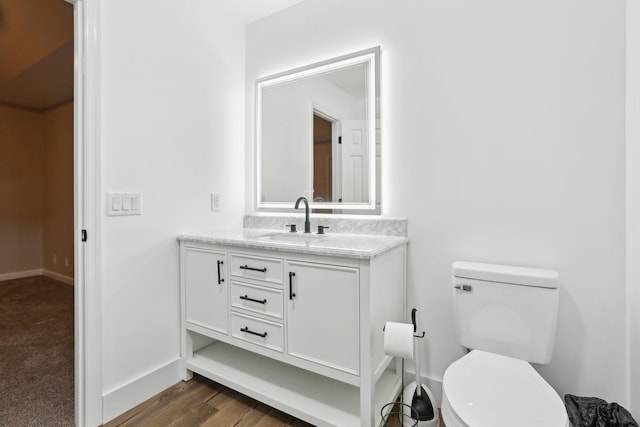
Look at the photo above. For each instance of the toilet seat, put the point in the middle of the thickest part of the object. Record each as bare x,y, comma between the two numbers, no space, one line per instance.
484,389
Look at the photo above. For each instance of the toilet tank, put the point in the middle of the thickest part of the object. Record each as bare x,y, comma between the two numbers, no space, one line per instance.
506,310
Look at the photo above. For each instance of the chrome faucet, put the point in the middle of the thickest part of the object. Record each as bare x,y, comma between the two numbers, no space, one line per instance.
307,224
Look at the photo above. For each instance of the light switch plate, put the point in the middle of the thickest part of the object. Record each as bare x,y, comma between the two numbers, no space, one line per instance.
215,202
121,204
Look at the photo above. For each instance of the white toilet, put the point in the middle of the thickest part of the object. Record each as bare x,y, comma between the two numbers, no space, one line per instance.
507,317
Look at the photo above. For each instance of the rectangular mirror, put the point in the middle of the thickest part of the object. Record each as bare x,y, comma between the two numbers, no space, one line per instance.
316,135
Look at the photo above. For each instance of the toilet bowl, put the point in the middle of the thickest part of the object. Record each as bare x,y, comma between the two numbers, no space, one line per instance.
484,389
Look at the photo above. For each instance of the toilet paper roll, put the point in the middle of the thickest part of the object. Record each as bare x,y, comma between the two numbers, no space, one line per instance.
398,339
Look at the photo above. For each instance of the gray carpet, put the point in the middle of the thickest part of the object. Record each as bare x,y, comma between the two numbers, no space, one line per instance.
36,353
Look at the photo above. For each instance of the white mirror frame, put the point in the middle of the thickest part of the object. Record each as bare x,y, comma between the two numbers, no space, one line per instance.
370,57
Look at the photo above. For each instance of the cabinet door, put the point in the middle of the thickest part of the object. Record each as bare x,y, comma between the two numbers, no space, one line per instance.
323,315
206,289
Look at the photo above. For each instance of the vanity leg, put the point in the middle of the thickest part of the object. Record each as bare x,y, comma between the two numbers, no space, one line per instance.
187,353
367,411
367,379
186,340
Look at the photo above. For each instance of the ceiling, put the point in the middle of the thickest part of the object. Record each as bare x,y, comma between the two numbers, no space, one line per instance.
44,85
247,11
36,53
36,47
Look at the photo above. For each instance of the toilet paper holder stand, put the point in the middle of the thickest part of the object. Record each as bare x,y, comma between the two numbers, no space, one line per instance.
413,321
417,407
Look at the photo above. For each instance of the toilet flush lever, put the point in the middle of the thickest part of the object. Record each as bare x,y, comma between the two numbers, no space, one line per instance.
465,288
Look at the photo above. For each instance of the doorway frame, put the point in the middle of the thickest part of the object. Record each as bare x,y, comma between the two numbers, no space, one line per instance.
87,205
336,149
632,202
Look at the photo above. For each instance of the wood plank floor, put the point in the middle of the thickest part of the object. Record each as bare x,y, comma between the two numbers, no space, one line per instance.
201,402
204,403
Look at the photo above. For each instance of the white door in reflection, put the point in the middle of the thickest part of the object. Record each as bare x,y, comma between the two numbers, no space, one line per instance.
355,158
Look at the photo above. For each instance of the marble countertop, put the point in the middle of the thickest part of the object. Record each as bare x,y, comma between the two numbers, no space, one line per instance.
357,246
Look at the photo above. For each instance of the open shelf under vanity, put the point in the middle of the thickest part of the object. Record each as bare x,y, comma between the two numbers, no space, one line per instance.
312,397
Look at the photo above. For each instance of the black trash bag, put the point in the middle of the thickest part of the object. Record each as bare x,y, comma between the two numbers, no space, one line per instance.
594,412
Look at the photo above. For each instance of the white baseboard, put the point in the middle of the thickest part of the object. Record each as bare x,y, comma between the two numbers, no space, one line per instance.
120,400
59,277
37,272
20,274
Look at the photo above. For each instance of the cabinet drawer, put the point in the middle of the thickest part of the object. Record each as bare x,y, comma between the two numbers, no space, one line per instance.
257,331
257,268
257,299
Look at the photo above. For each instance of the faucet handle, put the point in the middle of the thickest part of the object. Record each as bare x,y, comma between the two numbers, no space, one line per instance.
321,229
292,228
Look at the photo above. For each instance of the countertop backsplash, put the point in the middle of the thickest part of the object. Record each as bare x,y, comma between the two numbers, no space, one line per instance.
360,224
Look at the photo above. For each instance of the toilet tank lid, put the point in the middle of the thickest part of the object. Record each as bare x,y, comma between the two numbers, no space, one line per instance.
523,276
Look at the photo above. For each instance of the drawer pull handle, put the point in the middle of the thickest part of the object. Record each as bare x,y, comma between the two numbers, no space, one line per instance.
249,331
246,297
220,279
291,294
246,267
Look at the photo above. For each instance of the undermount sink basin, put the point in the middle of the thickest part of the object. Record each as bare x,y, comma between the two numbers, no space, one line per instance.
291,237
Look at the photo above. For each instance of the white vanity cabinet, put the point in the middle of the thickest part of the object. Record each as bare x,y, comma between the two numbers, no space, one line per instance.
298,330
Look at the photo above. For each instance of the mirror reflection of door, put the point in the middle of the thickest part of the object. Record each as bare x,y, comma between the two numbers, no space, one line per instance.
355,158
322,159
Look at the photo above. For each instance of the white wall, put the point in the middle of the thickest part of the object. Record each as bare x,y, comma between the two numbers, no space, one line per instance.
633,200
21,191
173,130
57,221
503,141
36,189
